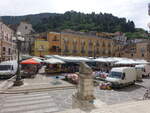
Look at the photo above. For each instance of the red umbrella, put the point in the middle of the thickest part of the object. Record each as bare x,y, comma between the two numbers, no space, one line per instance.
30,61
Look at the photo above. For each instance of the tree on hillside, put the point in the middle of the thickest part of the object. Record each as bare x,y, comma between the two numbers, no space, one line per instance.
102,22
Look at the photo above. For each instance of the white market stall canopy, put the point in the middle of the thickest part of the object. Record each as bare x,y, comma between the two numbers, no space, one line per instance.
73,58
108,59
117,60
54,61
131,61
37,59
112,60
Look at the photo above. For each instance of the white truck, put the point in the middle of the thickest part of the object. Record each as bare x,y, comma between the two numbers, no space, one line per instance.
122,76
8,69
145,68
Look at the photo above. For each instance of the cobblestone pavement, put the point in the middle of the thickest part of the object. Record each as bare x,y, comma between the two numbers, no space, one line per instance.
28,103
59,100
1,81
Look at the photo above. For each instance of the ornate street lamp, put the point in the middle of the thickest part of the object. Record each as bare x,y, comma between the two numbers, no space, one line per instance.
41,49
18,40
94,50
149,15
1,38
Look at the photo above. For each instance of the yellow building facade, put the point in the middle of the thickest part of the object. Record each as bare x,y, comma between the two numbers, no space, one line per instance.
85,45
41,47
76,44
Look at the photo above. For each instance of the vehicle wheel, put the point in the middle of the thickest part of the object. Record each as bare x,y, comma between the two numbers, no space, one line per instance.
133,82
143,76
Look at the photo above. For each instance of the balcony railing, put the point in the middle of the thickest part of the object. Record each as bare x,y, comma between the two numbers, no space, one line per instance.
55,40
55,50
90,53
66,51
74,51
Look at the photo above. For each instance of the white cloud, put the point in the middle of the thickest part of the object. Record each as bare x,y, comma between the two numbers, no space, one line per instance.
135,10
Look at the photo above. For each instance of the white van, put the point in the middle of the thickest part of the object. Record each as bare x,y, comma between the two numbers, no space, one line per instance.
122,76
8,69
145,68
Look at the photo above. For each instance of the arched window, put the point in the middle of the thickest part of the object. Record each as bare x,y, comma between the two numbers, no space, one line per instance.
82,46
4,50
103,44
74,46
66,45
9,51
97,44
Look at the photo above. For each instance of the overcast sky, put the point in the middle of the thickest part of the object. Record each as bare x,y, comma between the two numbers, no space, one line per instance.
136,10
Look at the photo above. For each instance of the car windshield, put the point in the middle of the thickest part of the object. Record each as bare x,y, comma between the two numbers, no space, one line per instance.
115,74
5,67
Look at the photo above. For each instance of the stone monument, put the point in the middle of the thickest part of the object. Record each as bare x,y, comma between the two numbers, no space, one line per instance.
84,98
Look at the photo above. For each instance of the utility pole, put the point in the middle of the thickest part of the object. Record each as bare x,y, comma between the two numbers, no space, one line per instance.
1,37
149,15
60,45
94,50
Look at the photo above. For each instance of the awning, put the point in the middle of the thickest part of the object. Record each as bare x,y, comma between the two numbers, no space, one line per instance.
105,60
131,61
54,61
30,61
24,57
37,59
73,58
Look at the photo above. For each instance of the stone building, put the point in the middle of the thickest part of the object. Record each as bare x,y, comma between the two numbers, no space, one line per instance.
7,46
27,32
41,46
86,45
79,44
139,50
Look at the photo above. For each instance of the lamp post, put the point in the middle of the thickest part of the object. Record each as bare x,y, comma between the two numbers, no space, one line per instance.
149,15
94,51
60,44
1,37
18,40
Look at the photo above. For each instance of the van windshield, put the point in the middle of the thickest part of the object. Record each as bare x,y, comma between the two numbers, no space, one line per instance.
142,68
5,67
115,74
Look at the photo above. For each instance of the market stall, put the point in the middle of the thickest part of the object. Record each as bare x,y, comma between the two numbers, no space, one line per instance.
53,65
29,67
72,78
72,62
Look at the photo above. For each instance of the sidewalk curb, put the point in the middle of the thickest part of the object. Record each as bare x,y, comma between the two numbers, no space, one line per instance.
7,84
35,90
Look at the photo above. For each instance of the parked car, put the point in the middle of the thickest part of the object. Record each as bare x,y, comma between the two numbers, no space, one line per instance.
100,75
145,68
8,69
122,76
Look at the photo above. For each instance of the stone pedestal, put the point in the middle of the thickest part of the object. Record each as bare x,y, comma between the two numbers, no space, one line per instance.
84,98
82,104
18,83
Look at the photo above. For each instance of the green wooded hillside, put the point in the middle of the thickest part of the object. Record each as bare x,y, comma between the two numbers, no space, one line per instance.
74,20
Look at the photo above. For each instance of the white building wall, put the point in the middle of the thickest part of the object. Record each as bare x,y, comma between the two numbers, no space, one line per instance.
6,42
